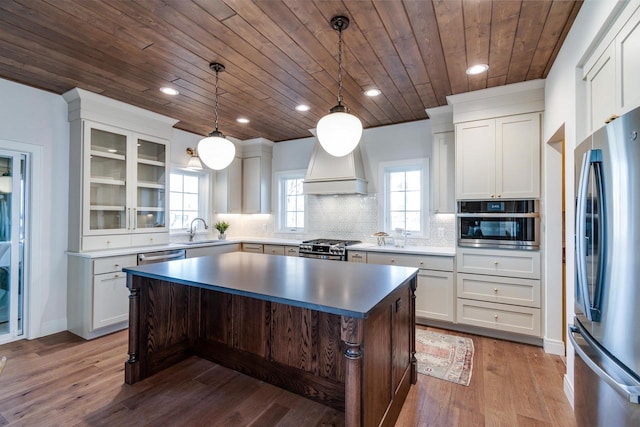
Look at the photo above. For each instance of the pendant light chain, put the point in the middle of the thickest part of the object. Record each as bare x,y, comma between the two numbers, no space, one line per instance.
216,108
340,66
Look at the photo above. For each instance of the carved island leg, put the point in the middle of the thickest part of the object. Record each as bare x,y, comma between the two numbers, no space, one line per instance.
351,335
132,365
414,361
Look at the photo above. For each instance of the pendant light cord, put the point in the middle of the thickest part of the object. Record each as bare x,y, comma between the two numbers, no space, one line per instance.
340,66
216,108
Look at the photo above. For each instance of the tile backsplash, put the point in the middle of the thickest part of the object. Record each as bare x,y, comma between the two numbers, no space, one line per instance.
351,217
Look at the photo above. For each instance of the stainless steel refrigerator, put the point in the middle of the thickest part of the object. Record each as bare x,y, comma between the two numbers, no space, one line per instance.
606,330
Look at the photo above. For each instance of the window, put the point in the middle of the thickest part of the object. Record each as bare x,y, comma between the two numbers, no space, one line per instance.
291,201
187,198
405,196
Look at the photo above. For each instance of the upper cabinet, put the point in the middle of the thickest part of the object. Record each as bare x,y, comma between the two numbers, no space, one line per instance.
119,174
610,74
245,186
498,158
443,159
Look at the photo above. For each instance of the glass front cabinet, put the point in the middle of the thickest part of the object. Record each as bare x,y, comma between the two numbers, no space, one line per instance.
126,180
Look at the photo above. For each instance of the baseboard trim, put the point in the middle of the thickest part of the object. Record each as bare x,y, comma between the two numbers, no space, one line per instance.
568,390
554,347
47,328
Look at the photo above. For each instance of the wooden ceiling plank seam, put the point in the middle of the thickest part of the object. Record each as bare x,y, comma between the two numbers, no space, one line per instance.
426,92
357,44
396,23
423,21
504,23
285,89
28,74
530,25
216,8
553,26
563,35
356,79
307,42
275,95
477,32
375,34
451,24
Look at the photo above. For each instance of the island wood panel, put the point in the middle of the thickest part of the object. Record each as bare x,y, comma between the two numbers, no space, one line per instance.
363,367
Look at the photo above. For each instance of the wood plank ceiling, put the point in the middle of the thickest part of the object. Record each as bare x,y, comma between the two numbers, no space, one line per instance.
278,54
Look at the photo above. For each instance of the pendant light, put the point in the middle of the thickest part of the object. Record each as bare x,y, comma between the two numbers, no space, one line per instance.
216,151
339,132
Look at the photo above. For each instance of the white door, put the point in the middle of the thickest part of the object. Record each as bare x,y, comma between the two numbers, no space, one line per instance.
13,208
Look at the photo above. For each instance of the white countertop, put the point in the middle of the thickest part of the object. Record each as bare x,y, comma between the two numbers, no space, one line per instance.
419,250
209,240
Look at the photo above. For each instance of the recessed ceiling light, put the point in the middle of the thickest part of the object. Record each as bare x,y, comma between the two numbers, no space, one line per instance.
242,120
302,107
477,69
372,92
169,91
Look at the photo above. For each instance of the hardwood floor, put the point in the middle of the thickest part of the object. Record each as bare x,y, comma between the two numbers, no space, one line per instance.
64,380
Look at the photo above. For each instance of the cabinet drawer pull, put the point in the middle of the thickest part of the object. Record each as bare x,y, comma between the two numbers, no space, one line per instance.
495,316
421,262
495,262
393,260
495,290
116,265
493,195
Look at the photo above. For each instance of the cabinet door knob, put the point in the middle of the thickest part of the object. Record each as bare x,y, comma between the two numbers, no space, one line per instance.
421,262
495,316
108,242
116,265
393,260
495,262
493,195
495,290
499,195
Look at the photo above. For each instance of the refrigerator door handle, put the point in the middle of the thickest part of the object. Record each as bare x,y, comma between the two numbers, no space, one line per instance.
631,392
581,227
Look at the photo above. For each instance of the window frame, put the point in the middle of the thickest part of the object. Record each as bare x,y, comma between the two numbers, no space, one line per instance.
280,180
384,216
204,199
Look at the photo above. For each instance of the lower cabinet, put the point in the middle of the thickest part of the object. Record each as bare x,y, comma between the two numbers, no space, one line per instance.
212,250
356,256
435,295
253,247
273,250
500,290
97,294
291,251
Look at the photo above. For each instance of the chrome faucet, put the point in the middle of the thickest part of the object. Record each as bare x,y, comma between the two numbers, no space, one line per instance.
192,229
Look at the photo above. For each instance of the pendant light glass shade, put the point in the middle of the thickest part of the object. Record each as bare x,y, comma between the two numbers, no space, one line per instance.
339,132
216,151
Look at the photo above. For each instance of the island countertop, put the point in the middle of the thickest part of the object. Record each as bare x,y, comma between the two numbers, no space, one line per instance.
343,288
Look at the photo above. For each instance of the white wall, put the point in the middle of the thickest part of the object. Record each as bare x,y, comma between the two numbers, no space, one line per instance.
565,107
36,121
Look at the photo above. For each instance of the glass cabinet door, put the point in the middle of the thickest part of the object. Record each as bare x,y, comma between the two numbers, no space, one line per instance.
151,182
108,178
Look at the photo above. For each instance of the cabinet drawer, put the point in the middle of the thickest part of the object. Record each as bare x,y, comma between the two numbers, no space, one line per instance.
355,256
150,239
273,249
509,318
506,290
96,243
110,299
252,247
524,264
113,264
291,251
428,262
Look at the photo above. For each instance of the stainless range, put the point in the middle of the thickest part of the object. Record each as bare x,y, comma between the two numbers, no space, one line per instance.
326,249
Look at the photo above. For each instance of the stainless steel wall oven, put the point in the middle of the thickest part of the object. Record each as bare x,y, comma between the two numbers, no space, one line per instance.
512,224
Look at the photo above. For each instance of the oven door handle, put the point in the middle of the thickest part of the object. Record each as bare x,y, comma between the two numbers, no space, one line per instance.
498,215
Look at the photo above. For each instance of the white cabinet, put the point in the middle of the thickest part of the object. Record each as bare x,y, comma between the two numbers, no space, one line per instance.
118,174
612,85
435,295
273,250
357,256
245,186
291,251
97,294
499,290
212,250
253,247
227,191
498,158
444,172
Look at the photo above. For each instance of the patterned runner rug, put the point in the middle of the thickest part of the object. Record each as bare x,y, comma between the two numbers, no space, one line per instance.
444,356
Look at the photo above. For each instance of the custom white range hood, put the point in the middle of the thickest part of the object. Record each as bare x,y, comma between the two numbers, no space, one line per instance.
334,175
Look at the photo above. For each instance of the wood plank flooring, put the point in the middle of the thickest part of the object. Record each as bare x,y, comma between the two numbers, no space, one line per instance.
62,380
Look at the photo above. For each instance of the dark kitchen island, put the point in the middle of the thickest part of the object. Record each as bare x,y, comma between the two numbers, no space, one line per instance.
339,333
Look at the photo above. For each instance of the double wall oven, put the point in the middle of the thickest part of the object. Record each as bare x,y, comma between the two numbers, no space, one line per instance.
510,224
